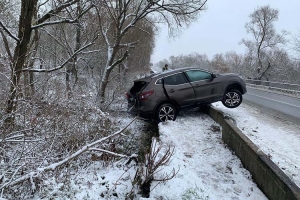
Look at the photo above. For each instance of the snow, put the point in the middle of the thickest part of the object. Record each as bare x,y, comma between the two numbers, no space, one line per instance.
205,167
99,182
276,137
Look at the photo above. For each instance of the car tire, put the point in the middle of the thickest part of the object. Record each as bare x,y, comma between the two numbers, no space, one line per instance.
166,112
232,98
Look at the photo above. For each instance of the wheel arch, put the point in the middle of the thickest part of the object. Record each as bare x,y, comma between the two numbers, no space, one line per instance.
236,86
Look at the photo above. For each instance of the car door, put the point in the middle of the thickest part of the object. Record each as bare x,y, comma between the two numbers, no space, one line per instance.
205,85
179,89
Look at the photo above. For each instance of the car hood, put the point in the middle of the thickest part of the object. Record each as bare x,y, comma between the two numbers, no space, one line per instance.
228,74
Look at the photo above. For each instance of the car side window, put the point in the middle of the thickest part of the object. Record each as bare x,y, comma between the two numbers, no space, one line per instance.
197,75
159,81
175,79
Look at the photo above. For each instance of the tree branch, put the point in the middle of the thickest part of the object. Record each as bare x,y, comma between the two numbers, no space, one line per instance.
125,55
55,11
8,32
70,21
53,166
109,152
61,66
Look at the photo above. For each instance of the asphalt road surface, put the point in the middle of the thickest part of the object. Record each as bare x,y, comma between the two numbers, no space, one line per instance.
278,102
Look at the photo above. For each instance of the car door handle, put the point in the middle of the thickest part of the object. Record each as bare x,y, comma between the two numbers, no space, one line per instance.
172,90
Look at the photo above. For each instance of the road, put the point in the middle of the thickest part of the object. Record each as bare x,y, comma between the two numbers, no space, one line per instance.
285,104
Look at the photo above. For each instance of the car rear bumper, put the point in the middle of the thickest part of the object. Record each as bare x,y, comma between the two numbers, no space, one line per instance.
139,111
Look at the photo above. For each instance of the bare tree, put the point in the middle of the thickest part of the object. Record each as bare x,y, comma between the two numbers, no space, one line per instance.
261,27
296,45
218,63
234,61
26,25
190,60
284,70
122,16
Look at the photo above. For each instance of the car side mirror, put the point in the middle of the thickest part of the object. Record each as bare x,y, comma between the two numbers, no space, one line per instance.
213,76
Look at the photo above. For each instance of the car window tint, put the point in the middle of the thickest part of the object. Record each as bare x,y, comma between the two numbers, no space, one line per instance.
138,86
197,75
175,79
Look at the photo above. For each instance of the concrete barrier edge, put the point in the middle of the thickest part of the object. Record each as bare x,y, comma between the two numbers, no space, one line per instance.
273,182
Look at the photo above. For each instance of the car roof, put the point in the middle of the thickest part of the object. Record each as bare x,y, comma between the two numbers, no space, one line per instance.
172,71
168,72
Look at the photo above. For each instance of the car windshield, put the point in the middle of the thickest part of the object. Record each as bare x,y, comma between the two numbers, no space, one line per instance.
197,75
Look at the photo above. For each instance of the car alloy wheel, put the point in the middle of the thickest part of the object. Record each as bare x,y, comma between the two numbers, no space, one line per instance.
232,99
166,112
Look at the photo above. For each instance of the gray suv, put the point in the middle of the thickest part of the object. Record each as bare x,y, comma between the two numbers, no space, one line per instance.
160,96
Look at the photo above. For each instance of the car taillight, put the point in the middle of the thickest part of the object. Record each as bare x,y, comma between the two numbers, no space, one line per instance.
145,95
127,95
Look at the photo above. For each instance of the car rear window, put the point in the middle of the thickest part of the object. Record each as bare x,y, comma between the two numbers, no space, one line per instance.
138,86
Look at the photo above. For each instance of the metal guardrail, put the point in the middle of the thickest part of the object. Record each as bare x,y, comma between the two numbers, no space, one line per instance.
288,88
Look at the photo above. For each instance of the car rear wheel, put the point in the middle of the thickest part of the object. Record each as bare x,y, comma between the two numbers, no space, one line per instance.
166,112
232,98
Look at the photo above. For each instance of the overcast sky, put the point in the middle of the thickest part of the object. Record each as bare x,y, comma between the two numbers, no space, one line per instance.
222,26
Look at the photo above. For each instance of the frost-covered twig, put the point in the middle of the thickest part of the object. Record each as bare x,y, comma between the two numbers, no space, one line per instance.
10,180
48,151
166,177
155,160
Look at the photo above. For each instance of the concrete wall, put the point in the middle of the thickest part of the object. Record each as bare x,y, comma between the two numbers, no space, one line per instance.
275,184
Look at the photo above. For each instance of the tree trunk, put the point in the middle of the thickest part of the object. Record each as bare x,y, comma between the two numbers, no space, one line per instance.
35,43
68,88
103,84
28,77
20,53
263,74
71,69
31,82
26,90
110,64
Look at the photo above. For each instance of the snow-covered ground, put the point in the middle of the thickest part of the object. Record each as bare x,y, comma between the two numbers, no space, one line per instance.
205,167
276,137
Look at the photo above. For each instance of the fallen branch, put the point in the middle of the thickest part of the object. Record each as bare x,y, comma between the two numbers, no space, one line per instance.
53,166
109,152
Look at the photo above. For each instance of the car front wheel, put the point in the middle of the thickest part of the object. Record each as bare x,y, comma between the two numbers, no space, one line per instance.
166,112
232,98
